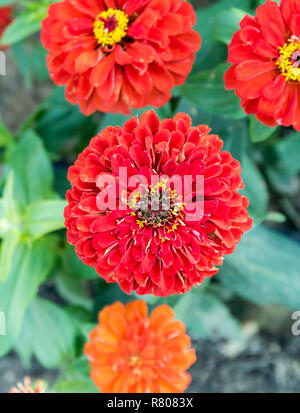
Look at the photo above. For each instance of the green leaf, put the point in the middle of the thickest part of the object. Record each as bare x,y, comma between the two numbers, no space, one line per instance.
43,217
227,23
256,189
73,291
205,316
207,91
264,269
5,136
74,267
61,124
22,26
30,266
9,228
287,152
11,211
76,379
33,175
258,131
8,247
6,2
50,333
31,60
210,52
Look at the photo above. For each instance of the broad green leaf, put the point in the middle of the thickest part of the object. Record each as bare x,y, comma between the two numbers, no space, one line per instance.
5,136
22,26
31,60
287,152
258,131
205,316
43,217
207,91
74,267
264,269
256,189
76,379
26,23
61,124
73,291
211,50
227,23
30,266
52,333
33,175
6,2
7,250
11,211
10,226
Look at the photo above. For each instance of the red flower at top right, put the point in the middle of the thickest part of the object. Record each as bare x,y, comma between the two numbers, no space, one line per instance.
266,63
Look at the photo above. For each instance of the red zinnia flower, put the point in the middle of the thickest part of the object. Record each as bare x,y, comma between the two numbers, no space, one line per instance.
5,19
130,352
266,63
114,55
157,251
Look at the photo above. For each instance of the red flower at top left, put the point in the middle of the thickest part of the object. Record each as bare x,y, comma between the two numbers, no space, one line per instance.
5,19
114,55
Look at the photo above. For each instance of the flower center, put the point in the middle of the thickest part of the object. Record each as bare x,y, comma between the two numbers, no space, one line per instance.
158,207
289,61
110,27
133,360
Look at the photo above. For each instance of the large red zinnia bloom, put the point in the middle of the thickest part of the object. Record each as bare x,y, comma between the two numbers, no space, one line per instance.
114,55
5,19
156,251
266,63
131,352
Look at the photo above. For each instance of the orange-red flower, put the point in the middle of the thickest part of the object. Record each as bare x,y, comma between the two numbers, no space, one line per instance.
130,352
156,250
114,55
266,63
27,387
5,18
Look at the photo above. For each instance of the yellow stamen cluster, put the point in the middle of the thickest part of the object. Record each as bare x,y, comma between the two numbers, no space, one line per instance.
285,62
107,35
168,219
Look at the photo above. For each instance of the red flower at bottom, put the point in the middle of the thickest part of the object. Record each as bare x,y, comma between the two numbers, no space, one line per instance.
176,242
266,63
130,352
5,19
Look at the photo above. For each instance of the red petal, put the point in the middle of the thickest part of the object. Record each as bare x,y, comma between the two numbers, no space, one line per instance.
250,69
101,71
103,224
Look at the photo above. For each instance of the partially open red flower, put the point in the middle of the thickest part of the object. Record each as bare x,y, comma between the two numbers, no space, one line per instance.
156,250
266,63
114,55
130,352
5,19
